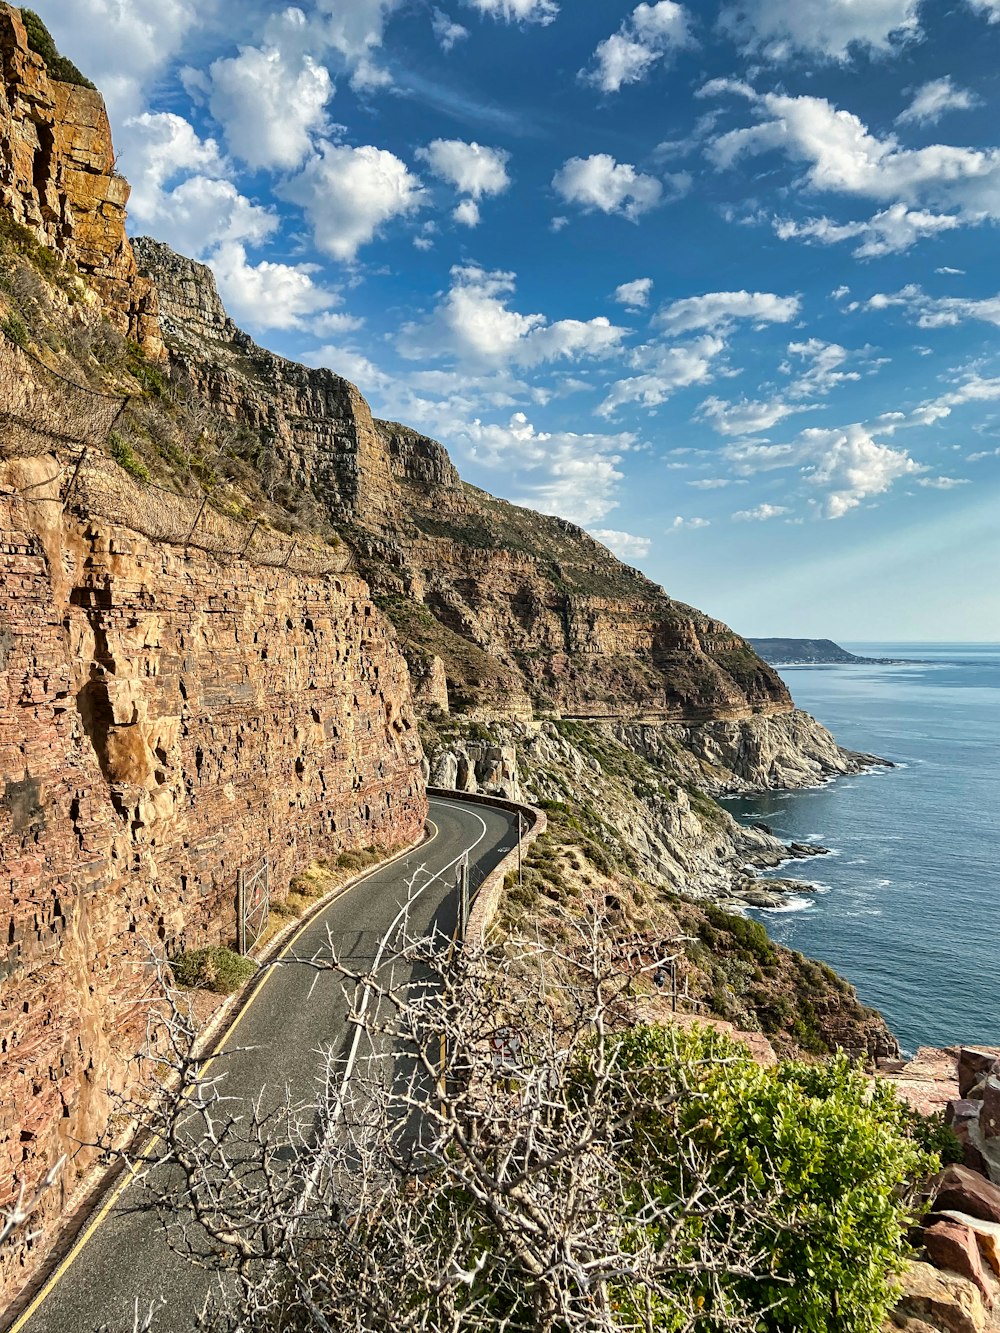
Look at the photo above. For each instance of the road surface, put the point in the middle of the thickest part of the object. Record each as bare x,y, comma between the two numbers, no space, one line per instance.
122,1254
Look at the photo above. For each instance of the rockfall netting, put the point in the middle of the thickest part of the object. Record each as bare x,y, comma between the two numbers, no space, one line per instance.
41,411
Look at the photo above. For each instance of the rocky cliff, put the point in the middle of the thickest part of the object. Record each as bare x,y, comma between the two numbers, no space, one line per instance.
58,181
166,720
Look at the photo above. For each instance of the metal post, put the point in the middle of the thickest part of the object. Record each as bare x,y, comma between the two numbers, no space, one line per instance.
673,984
250,538
520,879
289,555
76,473
196,521
463,895
241,914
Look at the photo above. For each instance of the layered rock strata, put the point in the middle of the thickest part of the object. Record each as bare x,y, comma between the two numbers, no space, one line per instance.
525,612
58,180
166,720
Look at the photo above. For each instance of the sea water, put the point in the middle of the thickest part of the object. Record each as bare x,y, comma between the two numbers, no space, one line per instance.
908,904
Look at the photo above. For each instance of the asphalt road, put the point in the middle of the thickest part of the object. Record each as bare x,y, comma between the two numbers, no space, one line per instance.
296,1013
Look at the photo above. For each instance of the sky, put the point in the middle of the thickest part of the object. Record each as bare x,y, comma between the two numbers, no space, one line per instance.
716,280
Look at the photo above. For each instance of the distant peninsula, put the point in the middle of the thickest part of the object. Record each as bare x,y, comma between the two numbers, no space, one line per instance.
810,652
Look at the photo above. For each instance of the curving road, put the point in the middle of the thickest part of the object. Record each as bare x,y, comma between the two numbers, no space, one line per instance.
121,1256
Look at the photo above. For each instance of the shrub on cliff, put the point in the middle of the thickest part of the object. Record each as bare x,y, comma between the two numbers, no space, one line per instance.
220,970
41,42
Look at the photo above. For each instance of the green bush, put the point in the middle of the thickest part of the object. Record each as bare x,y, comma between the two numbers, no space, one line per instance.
934,1136
215,969
824,1153
41,42
125,456
13,327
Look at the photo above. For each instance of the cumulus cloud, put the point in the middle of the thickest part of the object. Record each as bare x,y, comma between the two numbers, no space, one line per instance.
777,29
474,323
822,367
680,523
719,310
990,9
842,156
601,183
933,99
124,47
714,483
275,296
624,544
349,194
760,513
651,33
446,30
270,100
746,417
517,11
942,483
473,170
634,294
355,30
889,232
580,474
662,371
936,312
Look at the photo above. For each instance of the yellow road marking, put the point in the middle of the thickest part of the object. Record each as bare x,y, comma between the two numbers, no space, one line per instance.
131,1172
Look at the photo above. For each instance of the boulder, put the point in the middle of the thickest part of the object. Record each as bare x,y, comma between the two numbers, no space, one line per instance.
974,1063
966,1191
944,1300
952,1246
986,1233
959,1111
989,1116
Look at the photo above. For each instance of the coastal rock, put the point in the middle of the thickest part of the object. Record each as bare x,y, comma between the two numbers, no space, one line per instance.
989,1116
954,1247
959,1189
945,1300
986,1233
974,1064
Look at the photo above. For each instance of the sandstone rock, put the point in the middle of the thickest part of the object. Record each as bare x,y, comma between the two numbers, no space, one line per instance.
974,1063
945,1300
989,1116
987,1234
954,1247
965,1191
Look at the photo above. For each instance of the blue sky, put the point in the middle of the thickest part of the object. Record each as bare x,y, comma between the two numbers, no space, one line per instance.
716,280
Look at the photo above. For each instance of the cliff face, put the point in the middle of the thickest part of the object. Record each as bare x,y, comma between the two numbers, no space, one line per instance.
525,612
166,720
58,180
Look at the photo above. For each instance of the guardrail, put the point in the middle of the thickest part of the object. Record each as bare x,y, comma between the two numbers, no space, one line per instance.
487,900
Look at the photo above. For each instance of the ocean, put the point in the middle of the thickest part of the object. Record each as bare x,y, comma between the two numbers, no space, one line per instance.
908,904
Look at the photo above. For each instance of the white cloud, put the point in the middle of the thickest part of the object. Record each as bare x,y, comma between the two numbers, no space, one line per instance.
823,371
846,463
473,170
663,370
827,28
624,544
760,513
842,156
517,11
942,483
446,30
634,294
745,417
355,29
933,99
353,366
275,296
981,454
936,312
718,310
889,232
123,47
680,523
270,100
990,9
713,483
599,182
581,476
348,194
650,34
474,323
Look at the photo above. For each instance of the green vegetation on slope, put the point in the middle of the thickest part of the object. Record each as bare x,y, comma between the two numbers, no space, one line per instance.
41,42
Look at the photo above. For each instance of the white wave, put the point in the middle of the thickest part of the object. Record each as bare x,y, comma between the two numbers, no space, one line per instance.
792,905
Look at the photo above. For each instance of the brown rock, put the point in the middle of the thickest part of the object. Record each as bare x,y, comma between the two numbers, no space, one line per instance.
987,1234
944,1300
967,1192
951,1246
989,1116
974,1062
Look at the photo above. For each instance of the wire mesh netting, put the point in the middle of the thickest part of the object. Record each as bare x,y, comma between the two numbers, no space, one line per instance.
41,410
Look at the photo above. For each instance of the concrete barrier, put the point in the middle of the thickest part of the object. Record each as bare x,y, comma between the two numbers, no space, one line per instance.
487,900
